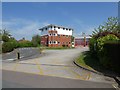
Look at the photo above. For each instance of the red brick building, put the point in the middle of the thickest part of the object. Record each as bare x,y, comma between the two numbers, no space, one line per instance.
56,36
82,40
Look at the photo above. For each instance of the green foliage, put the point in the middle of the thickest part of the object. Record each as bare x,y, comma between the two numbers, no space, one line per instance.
101,41
110,56
7,47
36,40
106,52
110,26
5,38
92,45
25,44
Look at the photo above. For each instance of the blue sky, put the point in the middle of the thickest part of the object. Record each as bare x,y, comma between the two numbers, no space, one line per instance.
23,19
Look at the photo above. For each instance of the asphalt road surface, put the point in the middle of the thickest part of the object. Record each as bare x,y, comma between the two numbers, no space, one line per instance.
12,79
54,63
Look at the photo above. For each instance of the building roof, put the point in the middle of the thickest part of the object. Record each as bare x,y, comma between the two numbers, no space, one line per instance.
55,26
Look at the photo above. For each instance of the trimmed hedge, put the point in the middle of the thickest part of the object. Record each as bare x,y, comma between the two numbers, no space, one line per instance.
110,58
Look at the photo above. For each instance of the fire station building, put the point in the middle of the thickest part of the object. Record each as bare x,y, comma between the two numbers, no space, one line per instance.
56,36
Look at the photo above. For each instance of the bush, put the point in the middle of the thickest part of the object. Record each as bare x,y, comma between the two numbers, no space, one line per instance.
102,40
105,33
110,57
7,47
5,38
25,44
92,45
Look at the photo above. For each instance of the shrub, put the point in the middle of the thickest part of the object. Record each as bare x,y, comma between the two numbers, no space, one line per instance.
7,47
102,40
25,44
100,51
92,45
110,57
5,38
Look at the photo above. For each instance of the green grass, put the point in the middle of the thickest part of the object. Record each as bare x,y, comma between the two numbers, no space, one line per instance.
88,61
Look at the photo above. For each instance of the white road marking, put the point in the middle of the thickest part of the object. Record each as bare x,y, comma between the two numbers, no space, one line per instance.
10,59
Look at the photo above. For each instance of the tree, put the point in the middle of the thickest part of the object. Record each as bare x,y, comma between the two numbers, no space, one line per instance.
111,25
5,32
36,40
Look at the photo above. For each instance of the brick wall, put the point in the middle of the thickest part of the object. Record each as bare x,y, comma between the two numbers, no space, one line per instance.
44,40
62,40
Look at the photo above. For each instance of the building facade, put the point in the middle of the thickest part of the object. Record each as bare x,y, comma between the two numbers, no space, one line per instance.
82,40
56,36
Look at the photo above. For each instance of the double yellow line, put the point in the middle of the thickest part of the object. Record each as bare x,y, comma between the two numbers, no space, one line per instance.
38,66
79,76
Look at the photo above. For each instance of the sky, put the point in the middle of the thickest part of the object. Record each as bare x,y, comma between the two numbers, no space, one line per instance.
23,19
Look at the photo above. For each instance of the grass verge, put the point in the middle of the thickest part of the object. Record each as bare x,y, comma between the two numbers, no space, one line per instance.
88,61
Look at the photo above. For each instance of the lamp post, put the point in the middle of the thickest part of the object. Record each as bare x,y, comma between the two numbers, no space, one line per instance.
84,39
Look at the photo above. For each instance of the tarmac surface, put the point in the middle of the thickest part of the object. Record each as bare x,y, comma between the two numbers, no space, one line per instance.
56,63
14,79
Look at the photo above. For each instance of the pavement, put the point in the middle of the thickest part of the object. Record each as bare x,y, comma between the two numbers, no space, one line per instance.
12,79
57,63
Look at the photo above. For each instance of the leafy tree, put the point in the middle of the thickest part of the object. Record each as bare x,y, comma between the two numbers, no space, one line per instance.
5,35
111,25
36,40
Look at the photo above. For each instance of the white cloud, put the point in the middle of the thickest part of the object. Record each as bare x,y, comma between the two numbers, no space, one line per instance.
20,28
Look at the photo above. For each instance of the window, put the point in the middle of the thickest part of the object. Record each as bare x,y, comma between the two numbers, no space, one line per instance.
50,42
58,27
54,34
54,42
66,28
63,28
58,35
54,26
45,28
69,42
58,42
67,36
69,29
50,34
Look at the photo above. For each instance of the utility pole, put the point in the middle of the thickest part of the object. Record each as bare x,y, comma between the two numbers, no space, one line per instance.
84,39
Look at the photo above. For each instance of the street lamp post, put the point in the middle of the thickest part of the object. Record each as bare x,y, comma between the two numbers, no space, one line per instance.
84,39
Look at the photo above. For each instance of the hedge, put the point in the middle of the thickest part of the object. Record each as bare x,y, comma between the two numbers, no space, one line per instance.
110,58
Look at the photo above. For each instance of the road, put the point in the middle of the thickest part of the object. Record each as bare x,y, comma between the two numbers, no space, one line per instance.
57,63
25,80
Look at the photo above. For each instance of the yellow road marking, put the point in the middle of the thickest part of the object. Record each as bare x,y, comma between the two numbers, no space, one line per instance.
88,77
16,64
77,75
38,65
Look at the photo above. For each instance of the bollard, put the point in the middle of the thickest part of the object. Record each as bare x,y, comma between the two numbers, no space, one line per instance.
18,55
